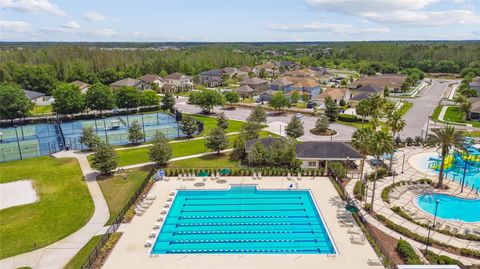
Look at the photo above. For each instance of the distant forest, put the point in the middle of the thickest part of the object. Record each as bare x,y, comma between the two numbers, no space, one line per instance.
39,66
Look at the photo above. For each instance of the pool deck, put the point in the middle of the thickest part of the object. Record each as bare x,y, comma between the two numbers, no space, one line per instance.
404,197
131,253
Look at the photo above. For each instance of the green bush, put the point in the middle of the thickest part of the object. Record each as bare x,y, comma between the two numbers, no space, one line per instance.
406,251
347,118
382,172
359,190
441,259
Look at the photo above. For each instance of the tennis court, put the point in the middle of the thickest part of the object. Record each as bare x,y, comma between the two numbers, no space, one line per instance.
114,129
33,140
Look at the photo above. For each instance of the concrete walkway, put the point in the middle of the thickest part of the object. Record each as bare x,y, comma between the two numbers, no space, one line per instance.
58,254
383,208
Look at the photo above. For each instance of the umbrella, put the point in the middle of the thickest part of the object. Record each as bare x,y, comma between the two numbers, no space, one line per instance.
225,171
203,174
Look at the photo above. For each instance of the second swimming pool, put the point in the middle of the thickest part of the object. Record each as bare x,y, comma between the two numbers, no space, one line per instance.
243,220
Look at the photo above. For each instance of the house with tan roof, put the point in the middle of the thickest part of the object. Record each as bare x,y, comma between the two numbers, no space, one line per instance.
179,83
269,67
255,83
474,112
245,91
281,83
337,95
129,82
83,86
391,81
305,84
151,80
300,73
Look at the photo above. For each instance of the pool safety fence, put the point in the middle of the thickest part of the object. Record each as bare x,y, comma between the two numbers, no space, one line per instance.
99,248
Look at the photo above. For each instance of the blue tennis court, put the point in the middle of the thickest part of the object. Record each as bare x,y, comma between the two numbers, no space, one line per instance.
243,220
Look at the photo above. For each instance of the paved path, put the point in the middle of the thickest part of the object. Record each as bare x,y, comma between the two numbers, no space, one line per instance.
384,209
58,254
344,132
422,108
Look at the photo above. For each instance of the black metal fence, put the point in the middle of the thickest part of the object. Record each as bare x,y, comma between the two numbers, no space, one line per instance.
97,250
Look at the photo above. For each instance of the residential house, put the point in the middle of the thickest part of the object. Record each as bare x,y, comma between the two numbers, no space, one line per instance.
281,83
305,84
475,84
314,154
391,81
474,113
231,71
364,92
81,85
265,96
245,70
179,83
337,94
300,73
255,83
321,74
212,78
40,99
303,95
269,67
152,81
288,65
129,82
245,91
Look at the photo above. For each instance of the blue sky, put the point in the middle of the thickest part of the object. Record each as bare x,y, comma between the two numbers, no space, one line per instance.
238,20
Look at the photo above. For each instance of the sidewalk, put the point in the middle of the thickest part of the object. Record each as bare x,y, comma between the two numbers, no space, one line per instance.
58,254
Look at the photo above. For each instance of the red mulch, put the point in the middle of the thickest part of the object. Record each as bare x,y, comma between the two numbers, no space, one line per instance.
389,244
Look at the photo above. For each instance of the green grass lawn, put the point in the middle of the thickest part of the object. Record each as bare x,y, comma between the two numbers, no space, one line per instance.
119,188
436,113
358,124
77,261
192,147
210,123
40,110
406,107
453,114
209,161
64,204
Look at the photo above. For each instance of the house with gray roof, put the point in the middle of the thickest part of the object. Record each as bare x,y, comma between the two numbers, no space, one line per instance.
38,98
129,82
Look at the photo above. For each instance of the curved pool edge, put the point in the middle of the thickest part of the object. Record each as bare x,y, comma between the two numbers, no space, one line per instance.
415,202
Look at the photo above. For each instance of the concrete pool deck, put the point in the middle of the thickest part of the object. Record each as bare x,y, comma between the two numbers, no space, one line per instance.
131,253
17,193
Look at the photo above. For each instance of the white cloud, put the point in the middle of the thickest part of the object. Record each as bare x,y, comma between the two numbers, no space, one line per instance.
356,7
69,27
341,29
405,12
430,18
94,16
15,26
32,6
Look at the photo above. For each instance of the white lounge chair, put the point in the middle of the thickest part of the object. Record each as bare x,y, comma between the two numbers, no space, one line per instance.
152,234
151,197
157,225
259,176
357,239
299,176
148,243
254,176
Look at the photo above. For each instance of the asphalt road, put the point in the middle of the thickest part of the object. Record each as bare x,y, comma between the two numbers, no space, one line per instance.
422,108
276,122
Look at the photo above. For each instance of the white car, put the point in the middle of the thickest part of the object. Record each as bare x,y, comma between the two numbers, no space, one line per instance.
299,115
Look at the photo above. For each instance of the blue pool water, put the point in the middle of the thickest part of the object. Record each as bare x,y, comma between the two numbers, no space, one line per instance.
451,207
243,220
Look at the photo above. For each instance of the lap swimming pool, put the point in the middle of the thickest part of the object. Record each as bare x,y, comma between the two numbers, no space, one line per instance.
245,220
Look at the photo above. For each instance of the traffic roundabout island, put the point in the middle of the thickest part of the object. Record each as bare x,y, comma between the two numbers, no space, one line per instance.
327,132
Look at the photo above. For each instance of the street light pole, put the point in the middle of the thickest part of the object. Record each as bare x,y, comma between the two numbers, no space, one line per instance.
464,173
403,162
428,125
433,225
143,128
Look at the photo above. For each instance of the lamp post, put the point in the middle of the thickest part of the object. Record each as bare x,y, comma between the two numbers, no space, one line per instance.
428,125
105,129
403,162
143,128
464,173
366,193
433,225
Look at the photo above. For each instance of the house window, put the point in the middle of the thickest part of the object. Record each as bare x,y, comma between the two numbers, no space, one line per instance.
312,164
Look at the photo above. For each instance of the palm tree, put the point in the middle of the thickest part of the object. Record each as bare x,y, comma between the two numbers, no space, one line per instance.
361,142
444,138
396,124
381,142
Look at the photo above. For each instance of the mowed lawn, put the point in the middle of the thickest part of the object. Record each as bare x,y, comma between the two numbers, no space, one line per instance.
81,256
208,161
64,204
453,114
210,123
118,189
179,149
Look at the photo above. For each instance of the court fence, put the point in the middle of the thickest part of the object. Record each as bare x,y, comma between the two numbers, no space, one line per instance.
99,248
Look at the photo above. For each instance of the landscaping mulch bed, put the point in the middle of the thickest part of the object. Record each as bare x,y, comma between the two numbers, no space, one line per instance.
389,244
328,132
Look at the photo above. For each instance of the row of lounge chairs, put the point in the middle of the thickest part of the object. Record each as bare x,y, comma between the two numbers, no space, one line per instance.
157,225
144,204
346,220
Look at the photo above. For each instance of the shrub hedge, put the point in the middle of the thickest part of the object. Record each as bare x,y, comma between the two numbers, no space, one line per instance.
406,251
